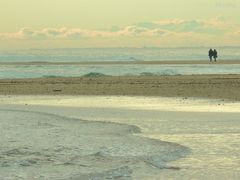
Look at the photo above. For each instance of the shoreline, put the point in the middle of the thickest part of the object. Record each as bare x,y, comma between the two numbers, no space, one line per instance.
196,86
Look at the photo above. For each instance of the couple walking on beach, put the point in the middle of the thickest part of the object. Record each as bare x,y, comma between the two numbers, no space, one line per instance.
213,54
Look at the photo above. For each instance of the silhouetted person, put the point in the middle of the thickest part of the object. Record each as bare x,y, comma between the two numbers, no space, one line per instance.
210,54
215,55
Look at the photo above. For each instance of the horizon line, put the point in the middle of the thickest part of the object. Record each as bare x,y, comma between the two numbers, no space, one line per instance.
144,47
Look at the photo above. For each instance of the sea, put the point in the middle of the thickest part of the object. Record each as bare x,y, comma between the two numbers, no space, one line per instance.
34,62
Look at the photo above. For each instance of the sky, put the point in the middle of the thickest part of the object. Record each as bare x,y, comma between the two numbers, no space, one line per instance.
118,23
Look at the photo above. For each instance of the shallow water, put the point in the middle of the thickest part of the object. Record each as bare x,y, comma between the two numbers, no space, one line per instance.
212,132
46,146
214,139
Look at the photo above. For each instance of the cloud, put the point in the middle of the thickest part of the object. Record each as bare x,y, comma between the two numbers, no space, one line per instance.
214,26
77,33
164,32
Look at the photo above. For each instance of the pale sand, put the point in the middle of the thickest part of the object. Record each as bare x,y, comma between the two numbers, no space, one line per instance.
203,86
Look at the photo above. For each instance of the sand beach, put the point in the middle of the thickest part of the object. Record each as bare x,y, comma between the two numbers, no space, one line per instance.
120,127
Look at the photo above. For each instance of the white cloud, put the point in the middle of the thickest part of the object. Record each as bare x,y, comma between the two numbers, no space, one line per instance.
165,32
210,26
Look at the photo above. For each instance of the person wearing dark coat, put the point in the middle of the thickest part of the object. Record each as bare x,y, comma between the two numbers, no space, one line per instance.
210,54
215,55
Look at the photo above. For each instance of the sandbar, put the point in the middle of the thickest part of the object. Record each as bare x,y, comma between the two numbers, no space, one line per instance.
198,86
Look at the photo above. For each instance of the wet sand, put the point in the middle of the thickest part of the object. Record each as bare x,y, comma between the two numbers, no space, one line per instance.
203,86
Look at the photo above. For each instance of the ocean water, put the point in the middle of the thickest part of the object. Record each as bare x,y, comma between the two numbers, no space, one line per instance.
116,54
121,54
